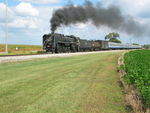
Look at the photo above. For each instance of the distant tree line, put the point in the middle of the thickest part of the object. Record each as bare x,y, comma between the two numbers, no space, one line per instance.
147,46
113,37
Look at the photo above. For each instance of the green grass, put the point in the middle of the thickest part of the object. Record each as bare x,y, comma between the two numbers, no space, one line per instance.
78,84
22,49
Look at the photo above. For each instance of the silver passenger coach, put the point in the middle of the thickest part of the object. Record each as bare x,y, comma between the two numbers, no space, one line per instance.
113,45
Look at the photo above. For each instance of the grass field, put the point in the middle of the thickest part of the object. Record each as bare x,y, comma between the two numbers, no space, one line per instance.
78,84
22,49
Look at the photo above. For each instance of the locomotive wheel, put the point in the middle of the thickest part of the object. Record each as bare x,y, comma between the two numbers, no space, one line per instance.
73,48
77,48
47,50
58,48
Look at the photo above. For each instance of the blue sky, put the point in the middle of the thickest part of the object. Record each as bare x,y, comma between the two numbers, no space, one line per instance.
28,20
60,3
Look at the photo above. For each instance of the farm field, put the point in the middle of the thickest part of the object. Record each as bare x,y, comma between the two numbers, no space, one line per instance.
77,84
137,65
22,49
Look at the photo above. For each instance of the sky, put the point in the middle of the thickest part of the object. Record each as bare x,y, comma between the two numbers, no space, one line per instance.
28,20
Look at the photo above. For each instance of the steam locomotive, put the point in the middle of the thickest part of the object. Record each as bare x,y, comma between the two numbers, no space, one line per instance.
59,43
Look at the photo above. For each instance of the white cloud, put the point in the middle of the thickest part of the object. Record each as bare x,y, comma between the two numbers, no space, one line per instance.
3,11
27,18
45,14
132,7
41,1
32,21
81,25
27,22
2,6
26,9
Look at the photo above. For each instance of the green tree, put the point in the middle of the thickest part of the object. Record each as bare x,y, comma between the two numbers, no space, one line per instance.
147,46
135,44
112,37
114,40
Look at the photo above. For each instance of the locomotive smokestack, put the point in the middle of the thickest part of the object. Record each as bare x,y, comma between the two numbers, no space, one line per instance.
98,15
52,32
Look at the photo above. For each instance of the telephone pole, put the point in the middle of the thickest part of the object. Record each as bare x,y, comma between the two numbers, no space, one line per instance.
6,27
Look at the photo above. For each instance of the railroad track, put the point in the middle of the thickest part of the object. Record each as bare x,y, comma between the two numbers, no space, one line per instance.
51,53
23,55
14,58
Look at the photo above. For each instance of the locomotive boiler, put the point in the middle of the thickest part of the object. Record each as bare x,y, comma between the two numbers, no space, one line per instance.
58,43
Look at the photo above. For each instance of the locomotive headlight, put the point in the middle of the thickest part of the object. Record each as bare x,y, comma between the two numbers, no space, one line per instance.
48,45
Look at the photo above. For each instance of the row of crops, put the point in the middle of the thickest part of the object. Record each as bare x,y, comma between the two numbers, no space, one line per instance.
137,65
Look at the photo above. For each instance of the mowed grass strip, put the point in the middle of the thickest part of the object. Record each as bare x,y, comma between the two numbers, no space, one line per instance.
78,84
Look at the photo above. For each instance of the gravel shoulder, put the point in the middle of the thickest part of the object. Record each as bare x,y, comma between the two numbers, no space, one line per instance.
30,57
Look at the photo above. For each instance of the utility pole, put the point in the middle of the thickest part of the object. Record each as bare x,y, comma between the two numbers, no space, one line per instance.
6,27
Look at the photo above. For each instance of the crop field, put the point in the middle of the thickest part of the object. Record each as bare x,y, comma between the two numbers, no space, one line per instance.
138,72
22,49
77,84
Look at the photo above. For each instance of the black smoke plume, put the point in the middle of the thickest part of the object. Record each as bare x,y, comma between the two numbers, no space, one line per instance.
98,15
